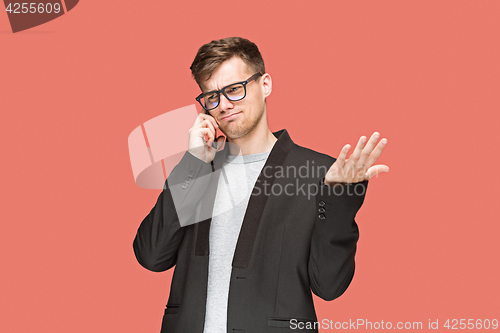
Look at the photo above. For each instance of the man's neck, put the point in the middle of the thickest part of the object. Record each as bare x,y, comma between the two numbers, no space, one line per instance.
258,141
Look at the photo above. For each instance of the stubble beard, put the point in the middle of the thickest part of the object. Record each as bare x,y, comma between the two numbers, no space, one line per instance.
246,126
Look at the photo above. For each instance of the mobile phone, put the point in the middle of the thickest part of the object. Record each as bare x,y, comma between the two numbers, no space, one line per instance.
214,144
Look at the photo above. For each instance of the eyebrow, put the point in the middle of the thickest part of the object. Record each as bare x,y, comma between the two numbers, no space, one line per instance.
220,88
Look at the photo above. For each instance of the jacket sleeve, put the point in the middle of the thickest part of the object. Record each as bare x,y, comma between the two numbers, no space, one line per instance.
334,238
162,230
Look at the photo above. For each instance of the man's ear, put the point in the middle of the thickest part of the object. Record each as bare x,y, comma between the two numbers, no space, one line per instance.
266,84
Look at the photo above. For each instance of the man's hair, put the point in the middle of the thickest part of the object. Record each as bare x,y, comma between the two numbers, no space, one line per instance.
213,54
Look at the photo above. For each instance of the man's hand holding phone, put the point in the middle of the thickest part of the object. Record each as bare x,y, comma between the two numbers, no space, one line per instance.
202,136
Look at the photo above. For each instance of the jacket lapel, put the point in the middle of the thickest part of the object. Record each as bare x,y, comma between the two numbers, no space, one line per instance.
255,206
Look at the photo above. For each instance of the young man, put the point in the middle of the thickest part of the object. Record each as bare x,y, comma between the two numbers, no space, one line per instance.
254,227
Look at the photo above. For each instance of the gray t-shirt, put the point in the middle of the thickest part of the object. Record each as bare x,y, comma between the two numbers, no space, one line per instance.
236,183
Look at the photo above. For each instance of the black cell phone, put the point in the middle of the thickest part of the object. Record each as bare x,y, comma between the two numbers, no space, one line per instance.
214,144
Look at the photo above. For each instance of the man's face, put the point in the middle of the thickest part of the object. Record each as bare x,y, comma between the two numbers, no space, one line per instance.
237,119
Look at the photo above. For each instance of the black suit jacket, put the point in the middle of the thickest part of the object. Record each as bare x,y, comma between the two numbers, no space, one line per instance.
292,241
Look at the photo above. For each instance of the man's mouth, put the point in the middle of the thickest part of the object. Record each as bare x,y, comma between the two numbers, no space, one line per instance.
230,116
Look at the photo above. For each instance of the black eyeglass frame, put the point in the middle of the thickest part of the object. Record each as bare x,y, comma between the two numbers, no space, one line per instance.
218,92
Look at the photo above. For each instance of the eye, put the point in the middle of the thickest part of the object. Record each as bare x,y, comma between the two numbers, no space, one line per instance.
234,89
211,97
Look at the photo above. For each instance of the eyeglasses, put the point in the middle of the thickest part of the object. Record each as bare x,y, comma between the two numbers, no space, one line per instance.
233,92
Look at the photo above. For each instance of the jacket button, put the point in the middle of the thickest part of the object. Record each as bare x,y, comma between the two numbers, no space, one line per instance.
321,209
191,174
321,216
184,185
321,203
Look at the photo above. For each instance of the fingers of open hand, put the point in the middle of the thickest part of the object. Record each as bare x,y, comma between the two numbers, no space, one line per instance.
367,150
375,153
357,153
355,168
342,156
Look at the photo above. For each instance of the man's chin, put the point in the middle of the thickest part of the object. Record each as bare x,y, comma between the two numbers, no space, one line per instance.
230,131
232,135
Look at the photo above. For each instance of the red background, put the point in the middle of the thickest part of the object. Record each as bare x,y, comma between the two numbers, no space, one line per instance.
425,74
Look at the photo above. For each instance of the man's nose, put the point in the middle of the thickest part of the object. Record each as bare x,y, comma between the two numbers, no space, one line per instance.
224,103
